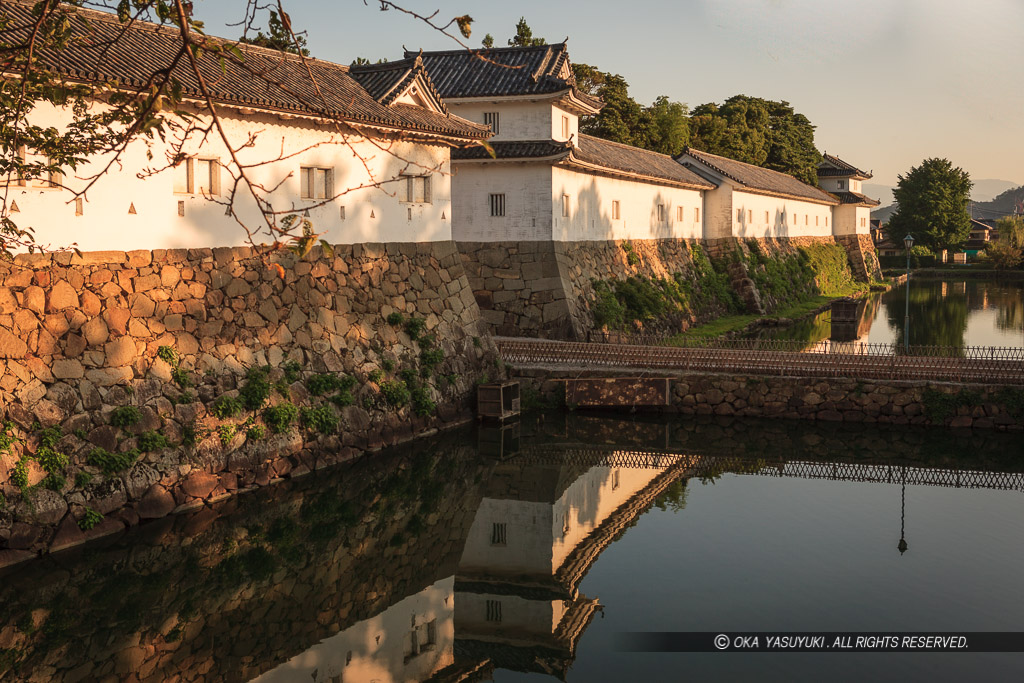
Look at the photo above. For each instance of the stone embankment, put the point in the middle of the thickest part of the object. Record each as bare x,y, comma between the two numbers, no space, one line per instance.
134,385
894,402
547,289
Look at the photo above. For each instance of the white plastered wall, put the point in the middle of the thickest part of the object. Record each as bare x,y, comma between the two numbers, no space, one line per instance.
372,214
527,190
758,216
518,120
848,220
590,208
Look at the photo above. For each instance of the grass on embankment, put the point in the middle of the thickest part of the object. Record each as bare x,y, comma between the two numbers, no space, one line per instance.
734,323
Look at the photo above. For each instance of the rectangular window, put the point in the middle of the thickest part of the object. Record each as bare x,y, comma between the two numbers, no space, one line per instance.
491,119
816,221
615,210
342,213
796,218
46,178
415,189
696,215
208,177
766,218
679,213
80,209
863,222
316,182
841,184
826,221
615,480
183,177
565,206
661,212
565,127
807,217
750,216
494,611
497,202
739,215
498,533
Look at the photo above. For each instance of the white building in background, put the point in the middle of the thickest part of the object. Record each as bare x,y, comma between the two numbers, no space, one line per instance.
753,202
302,147
852,216
546,181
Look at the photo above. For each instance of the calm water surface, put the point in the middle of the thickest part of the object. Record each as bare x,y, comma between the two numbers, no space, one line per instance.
943,313
523,554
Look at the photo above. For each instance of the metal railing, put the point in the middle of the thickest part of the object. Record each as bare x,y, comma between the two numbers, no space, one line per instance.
854,360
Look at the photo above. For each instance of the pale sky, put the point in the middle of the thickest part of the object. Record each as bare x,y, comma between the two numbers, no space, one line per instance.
888,83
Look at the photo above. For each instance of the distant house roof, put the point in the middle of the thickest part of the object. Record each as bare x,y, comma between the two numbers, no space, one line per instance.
594,155
756,179
505,72
855,198
832,167
104,49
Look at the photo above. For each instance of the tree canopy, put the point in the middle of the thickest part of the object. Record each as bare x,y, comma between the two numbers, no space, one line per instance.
765,133
524,36
661,127
279,36
932,200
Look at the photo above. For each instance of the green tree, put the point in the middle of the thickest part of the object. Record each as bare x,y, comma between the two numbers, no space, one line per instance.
932,208
662,127
279,36
488,41
524,36
765,133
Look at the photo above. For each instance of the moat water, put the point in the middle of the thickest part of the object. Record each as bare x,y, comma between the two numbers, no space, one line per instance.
525,553
942,313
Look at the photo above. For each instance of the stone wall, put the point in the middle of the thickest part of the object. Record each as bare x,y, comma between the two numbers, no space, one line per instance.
117,360
832,400
545,289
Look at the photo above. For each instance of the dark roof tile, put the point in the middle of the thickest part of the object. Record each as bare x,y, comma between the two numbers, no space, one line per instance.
855,198
832,166
265,79
529,149
760,180
634,160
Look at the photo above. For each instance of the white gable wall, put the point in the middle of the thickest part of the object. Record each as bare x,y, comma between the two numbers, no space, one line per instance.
106,224
527,190
518,120
590,208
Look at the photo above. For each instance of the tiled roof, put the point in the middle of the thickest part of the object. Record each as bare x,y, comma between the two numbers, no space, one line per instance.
832,166
593,154
385,82
529,149
265,79
505,71
758,180
634,160
855,198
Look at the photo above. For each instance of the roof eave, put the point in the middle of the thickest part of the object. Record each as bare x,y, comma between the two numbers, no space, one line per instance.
576,162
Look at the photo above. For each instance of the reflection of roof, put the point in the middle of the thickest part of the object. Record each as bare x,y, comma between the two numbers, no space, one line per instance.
756,179
505,72
104,49
832,166
855,198
594,155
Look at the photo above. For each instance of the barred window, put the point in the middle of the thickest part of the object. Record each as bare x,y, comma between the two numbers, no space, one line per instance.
415,189
494,610
696,215
491,118
661,212
316,182
615,210
679,213
498,533
565,206
497,202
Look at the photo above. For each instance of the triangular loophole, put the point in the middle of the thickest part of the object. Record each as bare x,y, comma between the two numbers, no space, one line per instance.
14,207
371,214
131,208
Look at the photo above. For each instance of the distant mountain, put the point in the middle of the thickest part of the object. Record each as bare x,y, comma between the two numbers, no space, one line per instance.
1003,205
988,189
884,213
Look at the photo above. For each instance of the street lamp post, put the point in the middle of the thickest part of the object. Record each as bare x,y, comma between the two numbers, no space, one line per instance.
908,242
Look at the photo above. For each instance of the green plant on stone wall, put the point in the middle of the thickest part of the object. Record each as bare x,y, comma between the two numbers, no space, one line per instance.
292,371
396,319
414,327
226,434
19,473
90,519
255,433
320,419
111,463
422,404
256,388
281,417
226,407
395,393
632,258
151,440
82,479
125,416
168,355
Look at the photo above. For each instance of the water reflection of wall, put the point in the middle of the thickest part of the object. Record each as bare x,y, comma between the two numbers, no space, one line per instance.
407,642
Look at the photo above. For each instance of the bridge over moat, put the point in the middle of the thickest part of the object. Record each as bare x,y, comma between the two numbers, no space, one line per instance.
701,465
